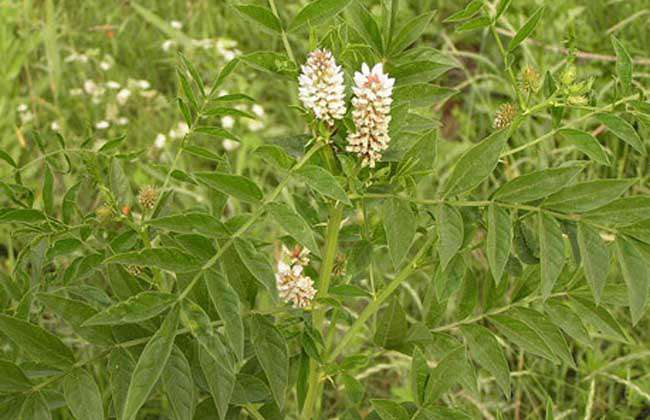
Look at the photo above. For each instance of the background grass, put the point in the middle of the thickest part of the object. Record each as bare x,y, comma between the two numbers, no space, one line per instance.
42,68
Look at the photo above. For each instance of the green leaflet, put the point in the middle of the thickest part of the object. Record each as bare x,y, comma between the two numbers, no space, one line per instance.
499,240
595,258
450,227
37,343
226,301
585,196
390,410
165,258
237,186
272,353
476,164
536,185
294,225
551,252
137,308
150,365
634,267
83,396
485,349
179,386
400,225
317,11
12,378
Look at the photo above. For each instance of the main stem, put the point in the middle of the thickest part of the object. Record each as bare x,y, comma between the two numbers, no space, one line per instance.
331,246
374,306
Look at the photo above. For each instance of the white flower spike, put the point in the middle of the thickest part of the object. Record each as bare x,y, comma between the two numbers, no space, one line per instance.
373,97
322,89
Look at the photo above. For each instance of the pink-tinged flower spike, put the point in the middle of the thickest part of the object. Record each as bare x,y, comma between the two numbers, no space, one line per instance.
373,96
321,86
293,286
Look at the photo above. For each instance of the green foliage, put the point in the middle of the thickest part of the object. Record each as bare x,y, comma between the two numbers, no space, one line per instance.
203,244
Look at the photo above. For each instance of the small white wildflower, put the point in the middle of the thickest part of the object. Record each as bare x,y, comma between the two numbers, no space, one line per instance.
74,57
112,84
90,87
148,93
293,286
322,88
160,141
102,125
168,44
22,108
55,126
258,110
26,117
176,24
180,131
227,122
223,92
143,84
105,65
373,96
230,145
123,96
122,121
255,125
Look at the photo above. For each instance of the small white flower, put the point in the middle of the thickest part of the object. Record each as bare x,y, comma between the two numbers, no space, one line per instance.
102,125
55,126
258,110
255,125
148,93
168,44
90,87
373,97
160,141
26,117
123,96
293,286
230,145
322,88
74,57
176,24
105,65
122,121
143,84
180,131
22,108
112,84
227,122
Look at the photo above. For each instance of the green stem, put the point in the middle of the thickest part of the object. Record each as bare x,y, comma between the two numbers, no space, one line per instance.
497,311
511,74
384,294
331,246
573,122
285,39
258,213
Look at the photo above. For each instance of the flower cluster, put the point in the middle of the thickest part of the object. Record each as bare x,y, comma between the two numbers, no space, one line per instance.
373,97
504,116
293,286
321,86
148,197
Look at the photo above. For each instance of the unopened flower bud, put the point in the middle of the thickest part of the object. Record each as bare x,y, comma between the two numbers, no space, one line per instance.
148,197
504,116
